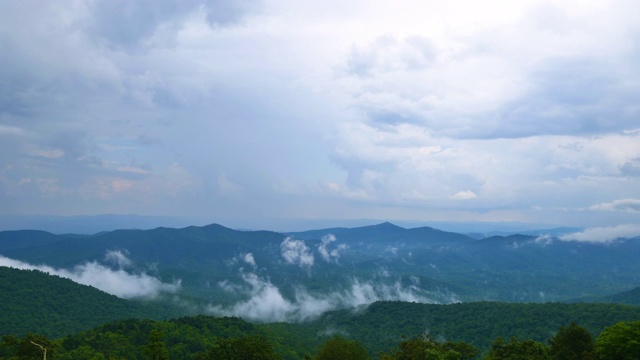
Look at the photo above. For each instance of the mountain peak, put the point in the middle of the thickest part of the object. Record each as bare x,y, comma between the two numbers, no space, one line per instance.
387,225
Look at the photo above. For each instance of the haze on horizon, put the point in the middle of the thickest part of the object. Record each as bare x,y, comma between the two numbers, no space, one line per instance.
505,111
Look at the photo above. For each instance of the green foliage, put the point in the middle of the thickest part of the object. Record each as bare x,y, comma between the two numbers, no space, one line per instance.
381,325
155,348
517,350
205,337
424,347
572,342
34,301
338,347
619,342
30,346
254,347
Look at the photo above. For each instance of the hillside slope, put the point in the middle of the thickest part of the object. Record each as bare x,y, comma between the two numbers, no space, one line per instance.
33,301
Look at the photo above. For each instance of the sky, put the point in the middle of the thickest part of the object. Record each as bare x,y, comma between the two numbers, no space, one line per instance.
495,111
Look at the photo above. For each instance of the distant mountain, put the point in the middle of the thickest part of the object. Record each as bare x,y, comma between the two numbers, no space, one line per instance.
90,224
300,274
385,234
631,297
558,231
33,301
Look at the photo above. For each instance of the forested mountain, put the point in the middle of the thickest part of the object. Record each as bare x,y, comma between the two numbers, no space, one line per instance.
33,301
269,276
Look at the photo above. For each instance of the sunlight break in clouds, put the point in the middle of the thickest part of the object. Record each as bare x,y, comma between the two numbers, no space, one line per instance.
296,252
604,235
116,282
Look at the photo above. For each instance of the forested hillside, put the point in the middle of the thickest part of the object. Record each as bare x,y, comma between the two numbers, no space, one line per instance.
33,301
382,325
385,330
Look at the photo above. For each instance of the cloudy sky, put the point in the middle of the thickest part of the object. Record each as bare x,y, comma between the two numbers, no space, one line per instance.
406,110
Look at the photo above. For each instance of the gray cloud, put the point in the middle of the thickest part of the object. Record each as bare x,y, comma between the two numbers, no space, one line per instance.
571,96
140,20
216,108
631,167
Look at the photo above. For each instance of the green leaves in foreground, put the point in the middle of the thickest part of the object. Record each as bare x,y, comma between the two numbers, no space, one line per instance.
619,342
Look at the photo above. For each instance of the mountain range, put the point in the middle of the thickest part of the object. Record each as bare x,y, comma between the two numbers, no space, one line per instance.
272,276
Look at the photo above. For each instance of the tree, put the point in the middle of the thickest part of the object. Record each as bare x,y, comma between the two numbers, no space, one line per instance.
339,347
517,350
620,342
424,347
572,342
253,347
84,352
155,348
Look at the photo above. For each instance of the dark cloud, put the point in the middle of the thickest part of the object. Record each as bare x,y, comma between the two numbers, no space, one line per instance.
126,23
631,167
571,96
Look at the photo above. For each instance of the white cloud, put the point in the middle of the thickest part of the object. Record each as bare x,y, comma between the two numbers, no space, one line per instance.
627,205
464,195
266,303
604,234
117,257
327,254
116,282
296,252
249,259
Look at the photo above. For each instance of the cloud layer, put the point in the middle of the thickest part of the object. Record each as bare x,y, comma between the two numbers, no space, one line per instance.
604,235
265,301
492,111
117,282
